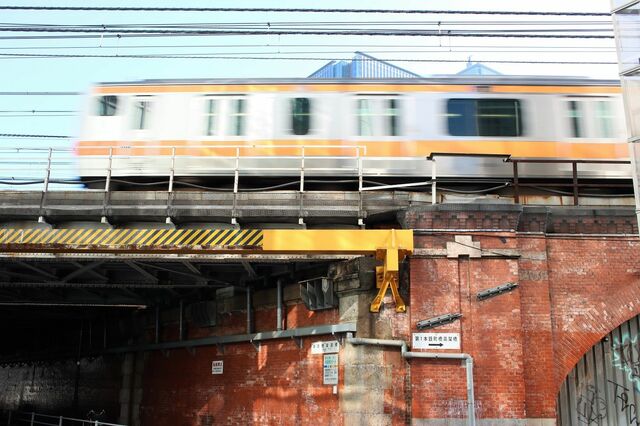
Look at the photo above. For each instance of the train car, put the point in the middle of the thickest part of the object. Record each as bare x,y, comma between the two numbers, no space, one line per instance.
342,128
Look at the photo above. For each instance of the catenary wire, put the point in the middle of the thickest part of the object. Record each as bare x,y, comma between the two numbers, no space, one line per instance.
49,93
383,33
20,135
280,58
396,48
296,10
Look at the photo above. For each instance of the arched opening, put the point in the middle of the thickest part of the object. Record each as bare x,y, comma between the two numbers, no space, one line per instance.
604,386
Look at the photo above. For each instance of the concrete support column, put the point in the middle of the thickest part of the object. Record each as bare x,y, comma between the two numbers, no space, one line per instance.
374,388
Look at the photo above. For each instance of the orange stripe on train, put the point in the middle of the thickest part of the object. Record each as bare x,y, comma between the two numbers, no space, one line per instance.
603,149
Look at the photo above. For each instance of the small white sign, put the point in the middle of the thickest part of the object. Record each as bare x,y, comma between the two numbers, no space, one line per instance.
435,341
327,347
217,367
330,369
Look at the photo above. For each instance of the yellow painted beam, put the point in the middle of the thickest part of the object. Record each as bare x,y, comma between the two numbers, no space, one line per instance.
388,245
327,241
336,240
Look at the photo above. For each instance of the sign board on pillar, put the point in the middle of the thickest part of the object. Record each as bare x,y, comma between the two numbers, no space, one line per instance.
217,367
325,347
435,341
330,369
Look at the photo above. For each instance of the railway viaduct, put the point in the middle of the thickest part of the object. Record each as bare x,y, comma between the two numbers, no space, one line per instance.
194,322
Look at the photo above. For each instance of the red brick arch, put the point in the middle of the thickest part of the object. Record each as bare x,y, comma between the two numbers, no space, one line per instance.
594,287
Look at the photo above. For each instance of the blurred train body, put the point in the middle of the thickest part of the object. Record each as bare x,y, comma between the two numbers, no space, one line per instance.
205,128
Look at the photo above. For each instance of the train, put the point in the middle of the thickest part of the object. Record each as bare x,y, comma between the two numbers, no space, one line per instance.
450,127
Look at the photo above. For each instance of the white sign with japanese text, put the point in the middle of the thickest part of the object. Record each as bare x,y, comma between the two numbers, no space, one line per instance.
217,367
435,341
327,347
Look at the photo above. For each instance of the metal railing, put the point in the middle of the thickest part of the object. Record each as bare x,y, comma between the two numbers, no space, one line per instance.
48,169
20,167
574,185
22,418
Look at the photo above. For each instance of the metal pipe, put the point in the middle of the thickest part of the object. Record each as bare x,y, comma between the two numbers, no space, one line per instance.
279,326
249,312
430,355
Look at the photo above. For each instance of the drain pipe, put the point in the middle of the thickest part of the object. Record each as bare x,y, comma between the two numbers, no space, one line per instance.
279,326
405,353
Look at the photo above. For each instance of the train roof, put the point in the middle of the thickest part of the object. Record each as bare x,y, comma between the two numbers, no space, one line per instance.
464,80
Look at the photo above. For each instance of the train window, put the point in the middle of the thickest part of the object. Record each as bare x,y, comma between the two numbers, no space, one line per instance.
300,116
392,117
141,113
484,117
211,115
107,105
365,117
377,116
575,117
604,119
237,115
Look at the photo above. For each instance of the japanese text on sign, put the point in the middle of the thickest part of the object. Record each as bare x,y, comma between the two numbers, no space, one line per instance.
436,341
217,367
329,347
330,369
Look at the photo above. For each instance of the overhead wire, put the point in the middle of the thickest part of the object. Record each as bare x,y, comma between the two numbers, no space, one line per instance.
559,34
46,93
297,10
282,58
396,47
41,136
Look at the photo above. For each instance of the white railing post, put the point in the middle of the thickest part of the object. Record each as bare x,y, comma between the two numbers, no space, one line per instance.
107,185
172,173
108,180
236,179
433,180
360,202
33,417
60,421
300,218
46,187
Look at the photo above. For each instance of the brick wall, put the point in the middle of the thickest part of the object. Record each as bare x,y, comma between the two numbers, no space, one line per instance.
573,289
279,384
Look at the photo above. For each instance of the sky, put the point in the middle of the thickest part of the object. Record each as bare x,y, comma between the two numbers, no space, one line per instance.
78,74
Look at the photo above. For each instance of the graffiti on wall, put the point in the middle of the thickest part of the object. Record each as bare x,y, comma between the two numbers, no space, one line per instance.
592,408
623,395
626,357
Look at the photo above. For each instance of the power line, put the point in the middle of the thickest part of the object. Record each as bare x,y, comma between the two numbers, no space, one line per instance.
296,10
19,135
285,58
273,51
35,111
40,93
385,33
36,115
271,24
395,47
